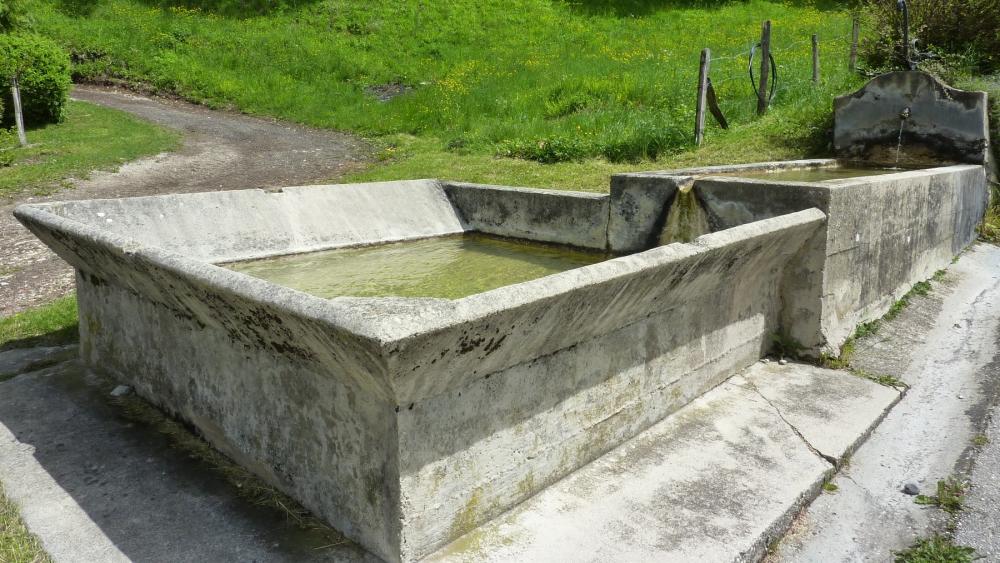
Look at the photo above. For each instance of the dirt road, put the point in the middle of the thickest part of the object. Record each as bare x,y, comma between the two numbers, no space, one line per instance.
220,151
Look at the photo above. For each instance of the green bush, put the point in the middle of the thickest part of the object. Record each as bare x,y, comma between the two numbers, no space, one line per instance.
547,151
963,33
43,74
13,16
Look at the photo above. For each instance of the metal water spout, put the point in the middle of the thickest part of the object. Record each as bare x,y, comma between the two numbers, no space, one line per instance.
903,116
905,9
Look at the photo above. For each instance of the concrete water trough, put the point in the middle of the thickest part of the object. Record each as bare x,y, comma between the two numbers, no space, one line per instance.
406,422
888,228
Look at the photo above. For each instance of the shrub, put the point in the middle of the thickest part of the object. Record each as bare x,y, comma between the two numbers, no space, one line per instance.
43,74
13,16
7,144
547,151
963,33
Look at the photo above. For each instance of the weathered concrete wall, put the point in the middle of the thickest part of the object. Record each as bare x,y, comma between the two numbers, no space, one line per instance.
288,384
638,209
574,218
523,395
885,233
888,234
943,126
640,200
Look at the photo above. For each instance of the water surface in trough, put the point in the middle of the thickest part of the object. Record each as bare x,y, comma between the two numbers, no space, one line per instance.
815,174
450,267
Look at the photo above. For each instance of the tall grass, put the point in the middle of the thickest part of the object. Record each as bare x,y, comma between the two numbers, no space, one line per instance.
539,79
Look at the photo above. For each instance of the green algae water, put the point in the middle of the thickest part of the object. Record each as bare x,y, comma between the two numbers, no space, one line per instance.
450,267
816,174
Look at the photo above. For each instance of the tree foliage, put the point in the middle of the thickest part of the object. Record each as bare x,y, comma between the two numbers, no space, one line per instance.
958,32
13,16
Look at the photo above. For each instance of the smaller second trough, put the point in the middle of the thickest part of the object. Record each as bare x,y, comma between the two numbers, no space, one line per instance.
888,229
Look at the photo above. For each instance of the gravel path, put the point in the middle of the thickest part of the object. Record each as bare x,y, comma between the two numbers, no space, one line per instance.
220,151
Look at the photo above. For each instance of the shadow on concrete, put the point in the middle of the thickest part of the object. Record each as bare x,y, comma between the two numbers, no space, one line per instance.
152,502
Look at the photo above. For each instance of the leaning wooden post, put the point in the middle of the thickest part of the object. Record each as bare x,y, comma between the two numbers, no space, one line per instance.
815,59
15,92
699,119
855,32
765,67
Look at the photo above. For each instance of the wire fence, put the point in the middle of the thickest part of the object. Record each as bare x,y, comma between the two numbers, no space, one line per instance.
727,81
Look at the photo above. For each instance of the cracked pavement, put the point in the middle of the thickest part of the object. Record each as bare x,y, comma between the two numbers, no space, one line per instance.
946,347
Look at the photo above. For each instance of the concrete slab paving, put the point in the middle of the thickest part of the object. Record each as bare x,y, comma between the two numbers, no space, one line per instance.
831,410
94,486
945,346
718,481
23,360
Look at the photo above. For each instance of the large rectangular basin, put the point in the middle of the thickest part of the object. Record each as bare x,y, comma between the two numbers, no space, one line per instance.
406,422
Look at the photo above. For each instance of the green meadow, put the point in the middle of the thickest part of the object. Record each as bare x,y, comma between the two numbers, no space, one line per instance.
530,92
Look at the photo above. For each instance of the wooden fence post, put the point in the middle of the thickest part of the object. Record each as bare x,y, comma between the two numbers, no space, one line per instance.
815,59
15,92
855,32
765,67
699,118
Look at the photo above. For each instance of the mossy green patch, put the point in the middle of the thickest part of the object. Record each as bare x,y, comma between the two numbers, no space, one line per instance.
936,549
950,495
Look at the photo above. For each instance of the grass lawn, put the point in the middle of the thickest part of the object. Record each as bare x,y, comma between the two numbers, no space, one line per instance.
51,324
794,133
90,138
592,85
17,545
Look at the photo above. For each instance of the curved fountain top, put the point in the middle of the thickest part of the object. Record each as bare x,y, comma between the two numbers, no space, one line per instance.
912,118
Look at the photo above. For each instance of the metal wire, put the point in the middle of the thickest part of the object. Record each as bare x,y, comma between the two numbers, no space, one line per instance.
774,73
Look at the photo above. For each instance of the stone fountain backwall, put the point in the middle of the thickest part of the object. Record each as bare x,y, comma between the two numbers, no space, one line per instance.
944,125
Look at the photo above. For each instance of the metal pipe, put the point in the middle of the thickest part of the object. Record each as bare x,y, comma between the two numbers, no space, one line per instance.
903,7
